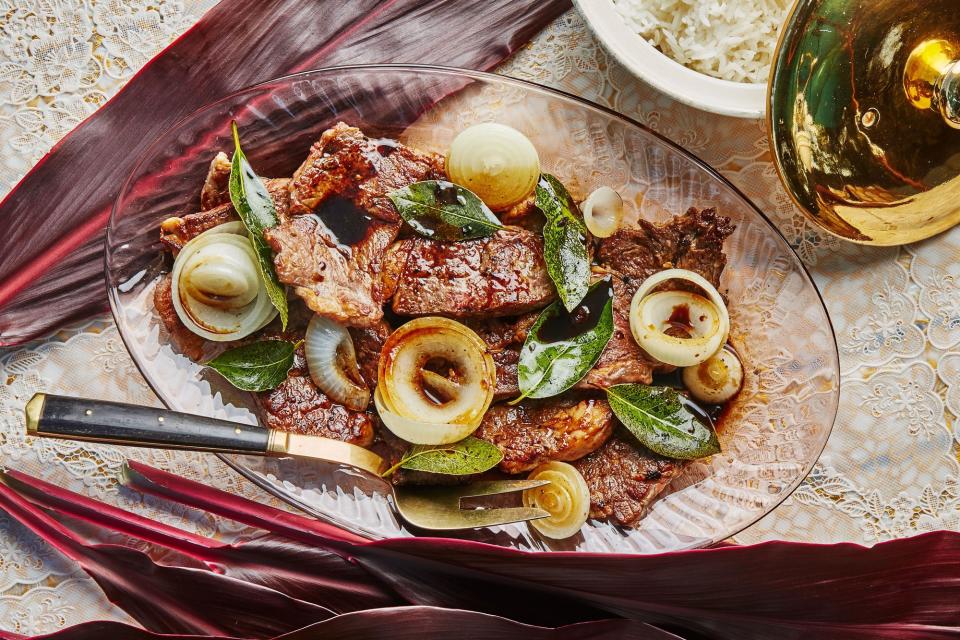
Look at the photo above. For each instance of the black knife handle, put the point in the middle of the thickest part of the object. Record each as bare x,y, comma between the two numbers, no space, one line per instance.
117,423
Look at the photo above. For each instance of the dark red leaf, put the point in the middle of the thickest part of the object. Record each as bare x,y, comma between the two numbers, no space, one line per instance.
402,623
51,253
170,599
899,589
302,571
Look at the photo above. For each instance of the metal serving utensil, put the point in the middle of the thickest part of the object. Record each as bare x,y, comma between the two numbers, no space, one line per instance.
433,508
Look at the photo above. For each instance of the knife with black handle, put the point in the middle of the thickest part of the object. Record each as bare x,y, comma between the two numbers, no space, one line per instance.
67,418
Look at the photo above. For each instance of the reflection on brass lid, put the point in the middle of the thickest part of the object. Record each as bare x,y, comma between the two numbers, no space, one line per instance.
861,111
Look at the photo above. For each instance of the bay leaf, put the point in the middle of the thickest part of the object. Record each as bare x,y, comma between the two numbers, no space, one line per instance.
549,366
470,455
258,366
441,210
662,420
255,207
565,241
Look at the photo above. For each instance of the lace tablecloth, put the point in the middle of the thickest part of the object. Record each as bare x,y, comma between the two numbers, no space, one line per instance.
889,470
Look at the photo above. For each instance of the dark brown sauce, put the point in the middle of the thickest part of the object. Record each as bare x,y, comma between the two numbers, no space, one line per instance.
447,193
584,317
385,146
346,222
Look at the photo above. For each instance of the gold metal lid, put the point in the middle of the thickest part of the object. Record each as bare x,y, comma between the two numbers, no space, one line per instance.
864,116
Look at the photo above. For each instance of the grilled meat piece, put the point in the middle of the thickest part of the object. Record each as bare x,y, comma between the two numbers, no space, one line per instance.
624,478
538,431
502,275
216,188
298,406
337,260
346,163
623,361
178,231
335,281
693,241
368,343
187,342
504,338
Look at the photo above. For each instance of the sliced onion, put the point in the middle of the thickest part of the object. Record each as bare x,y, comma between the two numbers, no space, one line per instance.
217,290
418,431
716,380
408,388
332,362
650,316
603,212
566,498
496,162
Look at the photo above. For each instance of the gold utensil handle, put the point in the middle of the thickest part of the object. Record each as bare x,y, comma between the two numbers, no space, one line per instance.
931,79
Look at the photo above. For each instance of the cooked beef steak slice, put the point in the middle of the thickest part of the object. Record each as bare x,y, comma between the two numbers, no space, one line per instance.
298,406
216,188
346,163
693,241
335,281
187,342
368,343
340,191
504,338
502,275
624,478
623,361
178,231
538,431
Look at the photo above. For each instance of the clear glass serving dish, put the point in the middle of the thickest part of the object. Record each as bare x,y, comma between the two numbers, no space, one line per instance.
771,436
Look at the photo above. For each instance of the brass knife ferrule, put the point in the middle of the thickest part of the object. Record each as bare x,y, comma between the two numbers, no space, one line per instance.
33,411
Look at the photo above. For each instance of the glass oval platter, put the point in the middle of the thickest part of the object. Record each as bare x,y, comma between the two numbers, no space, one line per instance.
771,435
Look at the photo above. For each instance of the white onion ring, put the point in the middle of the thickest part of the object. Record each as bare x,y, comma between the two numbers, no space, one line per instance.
418,431
403,373
566,498
603,212
649,313
332,362
496,162
216,286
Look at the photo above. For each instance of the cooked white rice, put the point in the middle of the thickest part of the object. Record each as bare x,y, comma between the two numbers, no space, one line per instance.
729,39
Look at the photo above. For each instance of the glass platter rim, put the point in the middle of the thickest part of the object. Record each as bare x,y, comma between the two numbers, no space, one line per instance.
294,501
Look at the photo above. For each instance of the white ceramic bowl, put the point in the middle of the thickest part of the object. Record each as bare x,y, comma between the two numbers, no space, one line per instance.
642,59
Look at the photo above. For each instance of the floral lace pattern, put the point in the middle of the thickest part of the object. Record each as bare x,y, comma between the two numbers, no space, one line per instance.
889,470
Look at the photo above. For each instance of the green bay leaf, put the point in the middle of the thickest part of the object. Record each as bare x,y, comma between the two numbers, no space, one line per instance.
256,209
441,210
258,366
565,241
661,419
470,455
549,366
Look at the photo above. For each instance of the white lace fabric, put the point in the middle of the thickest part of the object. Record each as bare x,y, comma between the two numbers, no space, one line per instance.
889,470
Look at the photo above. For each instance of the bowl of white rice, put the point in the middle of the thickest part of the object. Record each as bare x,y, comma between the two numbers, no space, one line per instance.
711,54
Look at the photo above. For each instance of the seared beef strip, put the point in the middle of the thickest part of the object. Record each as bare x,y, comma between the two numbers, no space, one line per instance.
693,241
504,338
368,343
178,231
344,181
187,342
538,431
334,281
346,163
502,275
216,188
298,406
624,478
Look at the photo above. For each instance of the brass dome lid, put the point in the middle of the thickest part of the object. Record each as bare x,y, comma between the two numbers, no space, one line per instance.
864,116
